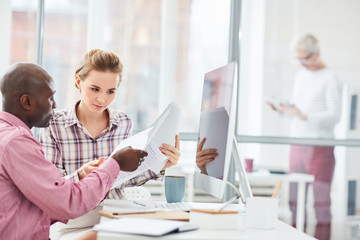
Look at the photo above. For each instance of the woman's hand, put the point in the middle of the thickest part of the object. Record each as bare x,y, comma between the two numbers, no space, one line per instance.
272,107
294,111
171,152
204,156
87,168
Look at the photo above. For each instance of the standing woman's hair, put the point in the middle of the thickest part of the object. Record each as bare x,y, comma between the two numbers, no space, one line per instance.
305,42
99,60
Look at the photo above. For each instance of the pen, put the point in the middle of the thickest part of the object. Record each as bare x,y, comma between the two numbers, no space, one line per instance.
139,203
130,213
120,214
276,190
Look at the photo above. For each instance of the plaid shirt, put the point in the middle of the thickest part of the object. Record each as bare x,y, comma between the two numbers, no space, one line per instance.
68,145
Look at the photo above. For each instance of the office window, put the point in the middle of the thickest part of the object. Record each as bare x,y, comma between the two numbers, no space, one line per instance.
23,31
65,39
18,25
268,68
165,46
18,36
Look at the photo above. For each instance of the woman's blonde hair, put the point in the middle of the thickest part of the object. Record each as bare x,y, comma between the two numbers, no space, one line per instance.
306,42
99,60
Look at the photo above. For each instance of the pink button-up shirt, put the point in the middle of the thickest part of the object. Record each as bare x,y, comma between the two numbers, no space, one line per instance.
33,193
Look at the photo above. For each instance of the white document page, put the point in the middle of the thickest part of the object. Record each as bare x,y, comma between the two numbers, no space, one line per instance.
214,126
138,141
165,129
154,159
276,102
162,131
167,125
144,226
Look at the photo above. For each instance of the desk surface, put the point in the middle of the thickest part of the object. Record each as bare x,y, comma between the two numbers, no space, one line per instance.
282,231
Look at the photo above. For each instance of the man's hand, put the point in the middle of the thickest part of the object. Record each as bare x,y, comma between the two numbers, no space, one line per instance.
171,152
129,159
87,168
204,156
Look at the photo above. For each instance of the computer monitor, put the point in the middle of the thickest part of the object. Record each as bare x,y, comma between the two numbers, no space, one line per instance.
217,125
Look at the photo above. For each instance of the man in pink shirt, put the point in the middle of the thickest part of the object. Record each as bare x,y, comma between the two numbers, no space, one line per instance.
33,193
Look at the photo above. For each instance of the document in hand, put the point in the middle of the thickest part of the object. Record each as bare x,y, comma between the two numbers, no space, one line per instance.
144,226
276,102
163,130
214,127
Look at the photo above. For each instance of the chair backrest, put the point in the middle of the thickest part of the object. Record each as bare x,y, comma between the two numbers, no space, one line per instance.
137,193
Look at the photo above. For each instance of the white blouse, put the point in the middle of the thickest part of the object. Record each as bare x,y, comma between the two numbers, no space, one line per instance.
318,95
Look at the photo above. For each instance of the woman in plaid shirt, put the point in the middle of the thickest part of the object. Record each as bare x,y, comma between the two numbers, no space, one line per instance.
78,138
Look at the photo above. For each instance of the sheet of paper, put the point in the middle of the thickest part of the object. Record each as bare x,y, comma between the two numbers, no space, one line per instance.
167,125
214,126
162,131
154,159
138,141
276,102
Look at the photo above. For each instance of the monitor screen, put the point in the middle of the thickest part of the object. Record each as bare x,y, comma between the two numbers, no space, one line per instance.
217,127
217,135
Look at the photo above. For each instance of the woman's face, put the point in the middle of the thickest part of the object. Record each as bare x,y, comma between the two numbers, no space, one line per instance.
98,89
308,60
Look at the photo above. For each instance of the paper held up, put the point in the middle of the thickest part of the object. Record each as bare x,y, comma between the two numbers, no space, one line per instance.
277,102
214,128
163,130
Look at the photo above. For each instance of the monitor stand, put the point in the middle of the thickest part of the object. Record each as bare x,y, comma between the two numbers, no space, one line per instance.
236,166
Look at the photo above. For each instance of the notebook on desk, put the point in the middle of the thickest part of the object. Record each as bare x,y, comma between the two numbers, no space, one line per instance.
144,226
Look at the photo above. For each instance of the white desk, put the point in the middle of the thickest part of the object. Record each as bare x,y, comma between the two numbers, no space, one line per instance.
282,231
300,178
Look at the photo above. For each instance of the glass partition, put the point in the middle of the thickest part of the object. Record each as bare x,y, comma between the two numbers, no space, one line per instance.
344,187
269,67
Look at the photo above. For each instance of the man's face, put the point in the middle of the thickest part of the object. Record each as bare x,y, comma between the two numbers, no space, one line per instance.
45,104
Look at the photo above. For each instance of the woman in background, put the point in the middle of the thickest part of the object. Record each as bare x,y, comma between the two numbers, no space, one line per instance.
316,110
